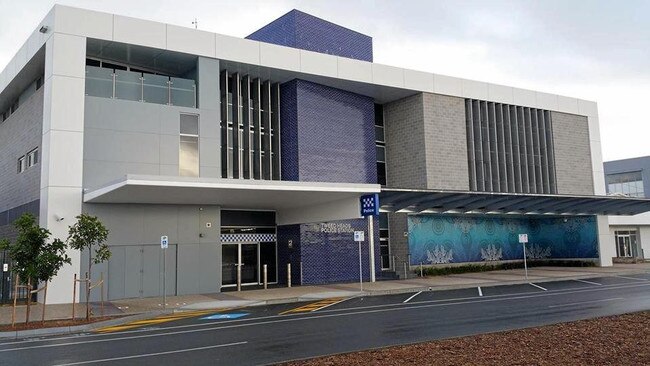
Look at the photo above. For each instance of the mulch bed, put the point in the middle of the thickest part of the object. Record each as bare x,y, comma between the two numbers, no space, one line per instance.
36,323
615,340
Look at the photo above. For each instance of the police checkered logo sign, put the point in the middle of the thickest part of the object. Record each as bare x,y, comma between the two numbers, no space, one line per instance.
369,205
244,238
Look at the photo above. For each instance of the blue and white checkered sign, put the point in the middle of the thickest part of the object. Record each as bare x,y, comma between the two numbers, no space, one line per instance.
246,238
370,205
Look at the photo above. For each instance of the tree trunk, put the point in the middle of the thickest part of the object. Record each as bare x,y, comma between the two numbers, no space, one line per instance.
29,300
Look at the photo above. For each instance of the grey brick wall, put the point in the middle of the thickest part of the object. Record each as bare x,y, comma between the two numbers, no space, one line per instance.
572,154
19,134
404,133
445,137
399,246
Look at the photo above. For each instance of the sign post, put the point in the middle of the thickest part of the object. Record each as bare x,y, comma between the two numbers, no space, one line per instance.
358,237
523,239
370,208
164,243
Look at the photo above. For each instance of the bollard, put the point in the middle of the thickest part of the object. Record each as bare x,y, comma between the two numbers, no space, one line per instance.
421,275
405,273
238,277
265,277
288,274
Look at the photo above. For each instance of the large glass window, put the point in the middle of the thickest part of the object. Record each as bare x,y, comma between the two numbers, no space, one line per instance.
189,146
380,144
629,184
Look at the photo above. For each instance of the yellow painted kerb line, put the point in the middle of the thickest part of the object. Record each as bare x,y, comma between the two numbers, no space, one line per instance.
159,319
314,306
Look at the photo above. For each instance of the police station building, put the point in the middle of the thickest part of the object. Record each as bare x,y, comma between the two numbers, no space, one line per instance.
255,152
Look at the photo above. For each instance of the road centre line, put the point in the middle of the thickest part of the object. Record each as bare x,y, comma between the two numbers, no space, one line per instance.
411,297
539,287
153,354
553,292
584,302
589,282
284,319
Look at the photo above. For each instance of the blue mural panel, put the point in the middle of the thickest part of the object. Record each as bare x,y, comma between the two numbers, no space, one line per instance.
438,239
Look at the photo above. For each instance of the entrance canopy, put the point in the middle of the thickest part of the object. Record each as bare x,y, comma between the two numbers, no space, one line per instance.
294,202
436,201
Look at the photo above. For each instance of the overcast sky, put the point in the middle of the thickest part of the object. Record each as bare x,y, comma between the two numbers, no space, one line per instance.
595,50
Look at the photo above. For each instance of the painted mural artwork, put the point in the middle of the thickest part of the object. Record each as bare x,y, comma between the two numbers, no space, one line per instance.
440,239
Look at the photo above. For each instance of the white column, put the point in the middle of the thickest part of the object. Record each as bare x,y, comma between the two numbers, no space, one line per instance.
62,149
606,245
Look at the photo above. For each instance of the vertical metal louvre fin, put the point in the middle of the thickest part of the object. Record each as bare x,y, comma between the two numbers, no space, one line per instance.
223,84
478,147
503,175
275,128
257,135
266,128
471,158
246,129
236,105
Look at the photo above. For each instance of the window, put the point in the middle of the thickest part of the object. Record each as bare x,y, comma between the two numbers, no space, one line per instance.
629,184
22,164
626,245
32,158
189,146
380,144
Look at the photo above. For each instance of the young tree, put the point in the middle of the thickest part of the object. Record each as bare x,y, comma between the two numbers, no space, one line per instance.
36,258
86,233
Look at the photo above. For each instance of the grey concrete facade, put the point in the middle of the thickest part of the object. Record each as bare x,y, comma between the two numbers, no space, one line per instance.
573,170
135,268
19,134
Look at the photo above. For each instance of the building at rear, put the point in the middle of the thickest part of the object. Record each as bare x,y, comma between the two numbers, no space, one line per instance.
253,153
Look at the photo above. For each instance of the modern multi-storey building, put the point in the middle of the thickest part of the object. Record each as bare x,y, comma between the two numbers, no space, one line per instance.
254,152
631,178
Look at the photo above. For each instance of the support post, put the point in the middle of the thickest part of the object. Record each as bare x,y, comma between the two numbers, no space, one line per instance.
74,293
525,264
405,273
265,276
44,301
371,235
360,268
13,313
164,253
88,294
288,274
101,288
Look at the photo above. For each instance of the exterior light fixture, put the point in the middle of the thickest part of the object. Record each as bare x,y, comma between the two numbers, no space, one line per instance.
43,29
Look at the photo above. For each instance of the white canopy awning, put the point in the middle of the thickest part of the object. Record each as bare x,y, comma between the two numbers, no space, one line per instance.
294,202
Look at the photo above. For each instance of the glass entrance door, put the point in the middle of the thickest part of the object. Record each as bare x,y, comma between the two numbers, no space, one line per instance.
624,246
235,255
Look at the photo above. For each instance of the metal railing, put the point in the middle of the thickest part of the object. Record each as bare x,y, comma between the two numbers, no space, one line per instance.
407,264
140,87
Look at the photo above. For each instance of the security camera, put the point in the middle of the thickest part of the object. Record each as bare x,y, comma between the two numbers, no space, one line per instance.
58,218
43,29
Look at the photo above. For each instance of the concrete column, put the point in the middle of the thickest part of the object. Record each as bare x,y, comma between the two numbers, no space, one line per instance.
62,156
606,246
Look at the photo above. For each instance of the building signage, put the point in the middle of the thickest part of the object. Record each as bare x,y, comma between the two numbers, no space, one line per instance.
369,205
523,238
359,236
164,242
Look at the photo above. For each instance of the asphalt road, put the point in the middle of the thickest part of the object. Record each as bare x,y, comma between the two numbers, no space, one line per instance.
269,334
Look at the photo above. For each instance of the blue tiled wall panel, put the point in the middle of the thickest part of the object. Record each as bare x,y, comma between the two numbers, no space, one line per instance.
436,239
300,30
327,134
326,256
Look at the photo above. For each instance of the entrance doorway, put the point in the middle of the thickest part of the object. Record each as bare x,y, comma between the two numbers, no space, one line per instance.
626,243
251,258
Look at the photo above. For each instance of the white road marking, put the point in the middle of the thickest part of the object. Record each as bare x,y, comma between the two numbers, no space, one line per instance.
480,292
397,307
411,297
589,282
538,286
632,278
151,354
585,302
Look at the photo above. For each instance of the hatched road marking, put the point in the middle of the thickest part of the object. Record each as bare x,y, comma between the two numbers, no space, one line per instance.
158,320
318,305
